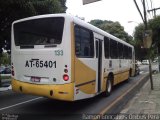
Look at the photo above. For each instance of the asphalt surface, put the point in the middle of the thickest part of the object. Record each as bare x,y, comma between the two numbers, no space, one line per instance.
24,107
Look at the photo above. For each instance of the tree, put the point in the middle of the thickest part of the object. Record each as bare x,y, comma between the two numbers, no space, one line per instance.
11,10
96,23
154,25
140,52
113,28
5,59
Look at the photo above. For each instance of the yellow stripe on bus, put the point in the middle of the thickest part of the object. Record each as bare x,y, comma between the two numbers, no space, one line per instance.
84,74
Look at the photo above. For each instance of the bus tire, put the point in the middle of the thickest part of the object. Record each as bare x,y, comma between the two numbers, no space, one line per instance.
108,87
130,72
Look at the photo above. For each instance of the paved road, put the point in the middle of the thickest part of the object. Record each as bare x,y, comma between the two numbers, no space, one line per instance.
34,107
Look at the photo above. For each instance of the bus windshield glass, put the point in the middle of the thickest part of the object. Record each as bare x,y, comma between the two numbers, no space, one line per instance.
43,31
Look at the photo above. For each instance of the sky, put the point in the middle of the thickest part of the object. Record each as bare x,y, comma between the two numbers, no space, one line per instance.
114,10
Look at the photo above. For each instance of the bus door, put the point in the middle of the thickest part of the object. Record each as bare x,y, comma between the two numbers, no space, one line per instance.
98,44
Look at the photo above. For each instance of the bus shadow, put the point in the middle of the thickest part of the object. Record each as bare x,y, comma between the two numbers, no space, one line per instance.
50,106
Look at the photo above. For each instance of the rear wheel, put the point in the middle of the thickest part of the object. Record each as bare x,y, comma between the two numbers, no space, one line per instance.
130,72
108,87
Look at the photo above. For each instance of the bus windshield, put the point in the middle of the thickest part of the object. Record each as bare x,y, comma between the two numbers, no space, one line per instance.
43,31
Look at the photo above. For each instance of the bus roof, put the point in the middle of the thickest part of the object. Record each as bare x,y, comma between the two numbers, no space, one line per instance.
77,21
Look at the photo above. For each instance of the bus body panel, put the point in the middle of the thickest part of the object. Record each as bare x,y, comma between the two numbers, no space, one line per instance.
39,63
85,76
46,63
40,70
28,68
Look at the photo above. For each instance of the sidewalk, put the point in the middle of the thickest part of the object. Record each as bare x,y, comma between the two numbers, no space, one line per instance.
146,101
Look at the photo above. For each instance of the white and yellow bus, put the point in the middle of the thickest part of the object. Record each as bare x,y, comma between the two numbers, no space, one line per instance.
62,57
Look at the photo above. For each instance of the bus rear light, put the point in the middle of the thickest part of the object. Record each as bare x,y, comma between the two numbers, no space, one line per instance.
65,77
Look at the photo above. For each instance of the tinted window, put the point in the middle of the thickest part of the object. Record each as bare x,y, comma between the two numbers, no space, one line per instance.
84,43
126,52
96,49
106,47
113,49
42,31
130,53
120,50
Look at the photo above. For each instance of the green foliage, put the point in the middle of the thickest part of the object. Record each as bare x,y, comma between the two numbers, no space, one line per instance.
154,25
140,52
11,10
113,28
96,23
138,34
5,59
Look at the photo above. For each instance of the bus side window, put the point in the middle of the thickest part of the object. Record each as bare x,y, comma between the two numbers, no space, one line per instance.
106,47
77,43
120,50
130,52
96,49
126,53
113,49
84,43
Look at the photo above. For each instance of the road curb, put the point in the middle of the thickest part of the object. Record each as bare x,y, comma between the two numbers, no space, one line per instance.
122,100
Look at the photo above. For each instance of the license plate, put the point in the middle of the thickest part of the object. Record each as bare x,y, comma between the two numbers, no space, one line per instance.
35,79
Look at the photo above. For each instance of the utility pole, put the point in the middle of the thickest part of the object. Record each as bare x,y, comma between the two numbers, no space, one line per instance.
138,10
145,15
154,11
148,51
144,19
